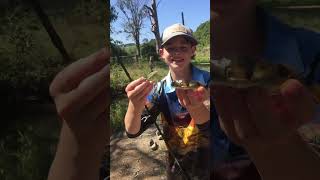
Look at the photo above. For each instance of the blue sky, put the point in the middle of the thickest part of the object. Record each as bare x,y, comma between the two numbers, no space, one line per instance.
169,12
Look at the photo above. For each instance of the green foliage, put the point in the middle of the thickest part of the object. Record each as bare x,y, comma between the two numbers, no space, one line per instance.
25,155
118,110
116,49
96,11
24,67
149,49
130,49
202,34
118,79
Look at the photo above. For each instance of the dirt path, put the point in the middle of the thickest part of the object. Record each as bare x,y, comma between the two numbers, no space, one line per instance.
134,159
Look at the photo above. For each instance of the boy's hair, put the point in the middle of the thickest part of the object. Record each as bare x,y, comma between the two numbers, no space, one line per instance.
178,30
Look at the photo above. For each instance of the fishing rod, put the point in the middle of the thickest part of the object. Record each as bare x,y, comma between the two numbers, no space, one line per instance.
55,39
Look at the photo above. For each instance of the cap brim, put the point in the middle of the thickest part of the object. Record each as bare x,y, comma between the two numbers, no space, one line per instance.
191,38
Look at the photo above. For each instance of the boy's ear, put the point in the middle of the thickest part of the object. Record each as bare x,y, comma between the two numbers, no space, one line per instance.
193,49
161,52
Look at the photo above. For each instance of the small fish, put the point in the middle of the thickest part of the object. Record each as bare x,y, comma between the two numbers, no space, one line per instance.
152,74
180,84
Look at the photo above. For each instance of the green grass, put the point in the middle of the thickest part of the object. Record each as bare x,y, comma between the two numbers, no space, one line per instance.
202,54
27,149
118,110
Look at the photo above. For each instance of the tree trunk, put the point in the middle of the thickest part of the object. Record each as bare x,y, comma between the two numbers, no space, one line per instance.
154,23
151,65
138,52
155,29
137,42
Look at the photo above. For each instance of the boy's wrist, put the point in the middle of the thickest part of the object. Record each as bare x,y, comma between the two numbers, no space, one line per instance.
136,109
199,113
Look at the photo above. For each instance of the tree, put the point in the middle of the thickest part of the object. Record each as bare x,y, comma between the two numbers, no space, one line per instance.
148,48
113,14
154,23
134,14
202,34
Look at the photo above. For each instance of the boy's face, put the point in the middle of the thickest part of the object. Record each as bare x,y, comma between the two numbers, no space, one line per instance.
177,53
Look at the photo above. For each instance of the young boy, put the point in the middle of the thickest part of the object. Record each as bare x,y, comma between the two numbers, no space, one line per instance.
185,116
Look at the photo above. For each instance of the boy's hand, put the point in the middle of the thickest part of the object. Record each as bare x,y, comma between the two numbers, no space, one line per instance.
195,102
192,98
258,120
81,95
137,92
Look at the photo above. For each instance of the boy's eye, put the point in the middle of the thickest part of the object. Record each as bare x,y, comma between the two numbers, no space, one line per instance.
180,49
170,49
183,49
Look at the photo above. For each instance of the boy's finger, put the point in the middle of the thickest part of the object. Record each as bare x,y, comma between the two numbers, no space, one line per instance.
205,92
180,97
185,97
87,90
97,106
298,102
222,100
195,96
72,75
137,92
146,91
131,86
266,120
243,124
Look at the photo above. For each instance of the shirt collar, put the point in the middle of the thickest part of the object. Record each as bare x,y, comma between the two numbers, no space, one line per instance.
281,44
197,75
